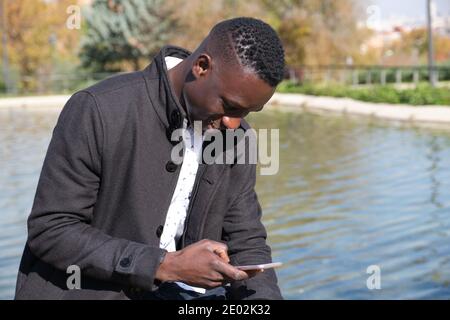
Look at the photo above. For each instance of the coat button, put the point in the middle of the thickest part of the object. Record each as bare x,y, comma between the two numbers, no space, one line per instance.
171,167
175,119
159,231
125,262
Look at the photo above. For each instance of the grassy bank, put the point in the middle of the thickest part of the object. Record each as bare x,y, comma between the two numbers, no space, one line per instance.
422,95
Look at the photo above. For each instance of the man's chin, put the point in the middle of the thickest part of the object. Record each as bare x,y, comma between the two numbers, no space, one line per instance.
206,125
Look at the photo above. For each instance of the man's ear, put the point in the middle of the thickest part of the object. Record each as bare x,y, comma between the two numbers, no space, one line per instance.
202,65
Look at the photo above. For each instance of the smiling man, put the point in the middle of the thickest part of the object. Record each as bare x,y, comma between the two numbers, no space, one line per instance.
136,225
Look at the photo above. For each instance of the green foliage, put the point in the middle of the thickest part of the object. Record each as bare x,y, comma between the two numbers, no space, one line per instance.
121,31
2,86
422,95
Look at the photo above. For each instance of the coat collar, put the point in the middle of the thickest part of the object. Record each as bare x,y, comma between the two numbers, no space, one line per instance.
160,91
164,100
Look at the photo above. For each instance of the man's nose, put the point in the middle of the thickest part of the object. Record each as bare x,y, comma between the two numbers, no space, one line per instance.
231,123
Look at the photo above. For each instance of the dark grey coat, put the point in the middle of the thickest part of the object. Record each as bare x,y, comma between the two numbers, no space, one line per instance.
105,188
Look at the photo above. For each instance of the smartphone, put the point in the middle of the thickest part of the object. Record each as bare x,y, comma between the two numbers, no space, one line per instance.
259,266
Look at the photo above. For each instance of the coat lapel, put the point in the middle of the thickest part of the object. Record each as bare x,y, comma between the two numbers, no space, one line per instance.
208,179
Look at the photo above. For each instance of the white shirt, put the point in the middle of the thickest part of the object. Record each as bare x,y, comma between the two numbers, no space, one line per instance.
176,215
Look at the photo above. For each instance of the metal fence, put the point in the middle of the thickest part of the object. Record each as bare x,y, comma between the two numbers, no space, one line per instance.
51,83
369,75
400,76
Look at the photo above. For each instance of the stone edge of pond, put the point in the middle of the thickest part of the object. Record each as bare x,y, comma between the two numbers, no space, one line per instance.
397,112
34,103
286,102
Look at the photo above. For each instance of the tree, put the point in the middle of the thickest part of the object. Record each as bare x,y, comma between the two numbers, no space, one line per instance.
33,26
197,17
295,31
411,48
121,33
317,32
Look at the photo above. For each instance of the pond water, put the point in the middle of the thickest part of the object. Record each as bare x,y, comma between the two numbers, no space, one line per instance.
350,193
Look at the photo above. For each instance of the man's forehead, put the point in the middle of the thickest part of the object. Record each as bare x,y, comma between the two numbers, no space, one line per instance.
245,88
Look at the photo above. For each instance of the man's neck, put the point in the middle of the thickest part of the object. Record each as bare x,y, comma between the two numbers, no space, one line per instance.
176,78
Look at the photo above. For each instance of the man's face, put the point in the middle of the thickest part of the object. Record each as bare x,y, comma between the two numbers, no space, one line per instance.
220,95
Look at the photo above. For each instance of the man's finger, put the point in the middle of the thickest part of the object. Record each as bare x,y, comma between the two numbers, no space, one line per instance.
222,253
252,273
230,272
219,249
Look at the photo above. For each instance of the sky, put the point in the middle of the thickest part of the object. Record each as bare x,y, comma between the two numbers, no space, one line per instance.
409,8
383,14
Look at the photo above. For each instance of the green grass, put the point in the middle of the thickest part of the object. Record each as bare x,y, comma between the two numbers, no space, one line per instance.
422,95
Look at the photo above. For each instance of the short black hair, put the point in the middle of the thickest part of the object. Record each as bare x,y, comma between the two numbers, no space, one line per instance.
254,43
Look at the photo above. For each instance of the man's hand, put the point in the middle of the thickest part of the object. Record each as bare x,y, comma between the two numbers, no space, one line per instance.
203,264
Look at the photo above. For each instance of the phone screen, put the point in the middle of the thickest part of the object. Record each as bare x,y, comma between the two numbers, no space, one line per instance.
259,266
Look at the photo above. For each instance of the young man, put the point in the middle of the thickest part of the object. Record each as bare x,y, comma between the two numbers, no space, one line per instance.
112,204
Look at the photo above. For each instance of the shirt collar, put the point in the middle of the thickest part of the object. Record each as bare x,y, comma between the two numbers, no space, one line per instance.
161,94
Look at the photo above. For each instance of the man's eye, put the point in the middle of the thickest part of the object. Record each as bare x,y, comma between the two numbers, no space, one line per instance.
225,106
229,108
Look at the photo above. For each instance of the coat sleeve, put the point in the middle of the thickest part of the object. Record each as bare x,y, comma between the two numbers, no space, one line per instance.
246,236
59,230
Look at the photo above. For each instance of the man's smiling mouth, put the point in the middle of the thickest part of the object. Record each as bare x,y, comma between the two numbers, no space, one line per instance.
216,124
212,125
